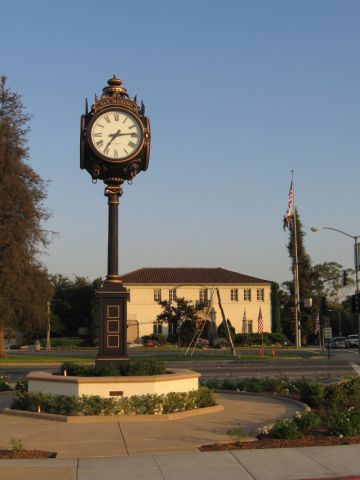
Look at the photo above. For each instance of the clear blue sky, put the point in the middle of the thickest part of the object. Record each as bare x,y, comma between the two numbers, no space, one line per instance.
238,92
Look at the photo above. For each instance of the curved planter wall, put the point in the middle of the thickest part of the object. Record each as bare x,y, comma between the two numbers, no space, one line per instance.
176,380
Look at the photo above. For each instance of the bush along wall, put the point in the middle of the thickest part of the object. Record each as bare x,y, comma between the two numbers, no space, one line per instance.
335,408
141,367
149,404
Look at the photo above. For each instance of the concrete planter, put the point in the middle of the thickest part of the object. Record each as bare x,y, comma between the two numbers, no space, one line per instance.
175,380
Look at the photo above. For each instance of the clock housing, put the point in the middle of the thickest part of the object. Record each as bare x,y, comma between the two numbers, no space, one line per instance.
114,136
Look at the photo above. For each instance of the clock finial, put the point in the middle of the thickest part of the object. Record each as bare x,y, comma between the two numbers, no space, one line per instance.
114,88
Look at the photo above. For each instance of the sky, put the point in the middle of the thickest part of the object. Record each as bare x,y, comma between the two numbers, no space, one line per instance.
239,93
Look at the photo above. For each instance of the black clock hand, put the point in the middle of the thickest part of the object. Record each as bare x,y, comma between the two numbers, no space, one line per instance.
113,136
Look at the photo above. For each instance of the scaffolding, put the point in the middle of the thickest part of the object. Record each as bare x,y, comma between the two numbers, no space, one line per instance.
201,325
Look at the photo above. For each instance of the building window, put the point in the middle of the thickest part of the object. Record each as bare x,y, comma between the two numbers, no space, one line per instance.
260,294
157,294
247,294
249,326
234,297
157,328
172,295
203,295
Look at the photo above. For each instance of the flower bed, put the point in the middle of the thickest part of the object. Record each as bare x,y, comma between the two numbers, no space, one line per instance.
87,405
335,412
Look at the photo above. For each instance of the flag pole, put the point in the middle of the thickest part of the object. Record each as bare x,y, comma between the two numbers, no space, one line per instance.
296,273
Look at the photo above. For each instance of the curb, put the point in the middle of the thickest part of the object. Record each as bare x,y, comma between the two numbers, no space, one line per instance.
293,401
114,418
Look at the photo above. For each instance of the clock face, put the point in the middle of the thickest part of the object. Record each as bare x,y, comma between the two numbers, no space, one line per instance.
116,134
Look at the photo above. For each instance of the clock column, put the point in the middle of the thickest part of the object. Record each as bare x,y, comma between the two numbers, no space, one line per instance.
114,148
112,296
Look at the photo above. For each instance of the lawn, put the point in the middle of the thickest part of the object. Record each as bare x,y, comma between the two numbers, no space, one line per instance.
155,353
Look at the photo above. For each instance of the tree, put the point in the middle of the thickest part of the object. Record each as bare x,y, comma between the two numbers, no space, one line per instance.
24,288
75,304
177,312
327,280
304,269
275,308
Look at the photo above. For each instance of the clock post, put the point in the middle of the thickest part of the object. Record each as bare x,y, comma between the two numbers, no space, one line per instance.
114,147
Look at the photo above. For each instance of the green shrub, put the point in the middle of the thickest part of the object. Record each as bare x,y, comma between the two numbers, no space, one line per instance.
16,444
159,338
338,423
67,342
223,330
253,384
110,371
308,421
311,392
277,338
77,369
4,383
204,397
279,385
220,343
21,385
147,367
95,405
335,397
354,416
286,429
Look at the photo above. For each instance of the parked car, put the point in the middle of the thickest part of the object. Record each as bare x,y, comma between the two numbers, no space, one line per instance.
339,342
352,341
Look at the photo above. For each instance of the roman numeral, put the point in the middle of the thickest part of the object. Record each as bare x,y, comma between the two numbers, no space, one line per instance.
107,118
132,144
116,116
134,135
97,135
99,143
99,125
132,126
106,150
125,150
125,119
116,155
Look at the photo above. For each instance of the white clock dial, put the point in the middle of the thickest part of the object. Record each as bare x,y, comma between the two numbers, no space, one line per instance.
116,134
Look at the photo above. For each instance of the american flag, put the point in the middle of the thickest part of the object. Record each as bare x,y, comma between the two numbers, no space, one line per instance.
260,322
290,203
244,329
317,324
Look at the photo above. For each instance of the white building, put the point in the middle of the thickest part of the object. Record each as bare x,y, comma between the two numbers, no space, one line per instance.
240,294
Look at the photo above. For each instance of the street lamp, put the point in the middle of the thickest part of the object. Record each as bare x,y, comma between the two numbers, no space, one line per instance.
355,238
48,340
339,313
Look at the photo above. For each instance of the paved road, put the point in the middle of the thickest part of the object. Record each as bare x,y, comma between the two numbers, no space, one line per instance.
342,363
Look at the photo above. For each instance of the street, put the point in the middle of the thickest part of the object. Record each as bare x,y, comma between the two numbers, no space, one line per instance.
342,363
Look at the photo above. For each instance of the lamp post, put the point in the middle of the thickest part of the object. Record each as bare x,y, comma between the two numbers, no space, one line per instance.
48,340
355,238
339,319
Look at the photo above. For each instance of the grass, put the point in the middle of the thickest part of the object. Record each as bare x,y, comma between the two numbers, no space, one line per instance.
38,358
158,353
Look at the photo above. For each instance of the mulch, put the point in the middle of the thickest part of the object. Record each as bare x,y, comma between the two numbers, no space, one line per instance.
13,454
308,441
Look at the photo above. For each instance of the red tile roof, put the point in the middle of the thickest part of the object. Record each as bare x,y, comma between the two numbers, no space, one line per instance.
167,275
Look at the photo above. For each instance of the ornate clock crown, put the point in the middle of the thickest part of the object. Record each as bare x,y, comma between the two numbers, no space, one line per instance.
114,88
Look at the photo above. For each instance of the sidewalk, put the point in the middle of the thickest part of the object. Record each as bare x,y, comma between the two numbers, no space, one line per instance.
168,450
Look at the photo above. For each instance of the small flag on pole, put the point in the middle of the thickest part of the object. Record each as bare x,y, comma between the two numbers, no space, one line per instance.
290,204
317,324
244,325
260,322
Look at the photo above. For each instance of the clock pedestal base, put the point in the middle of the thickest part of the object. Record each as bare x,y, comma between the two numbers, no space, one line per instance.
113,299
